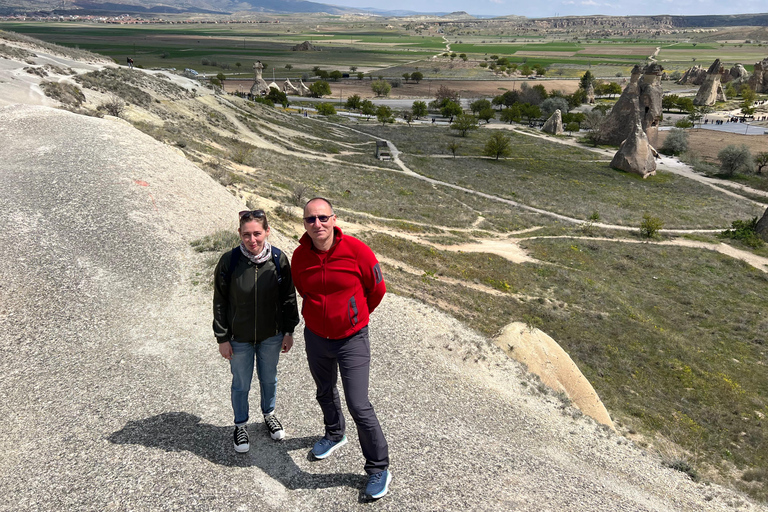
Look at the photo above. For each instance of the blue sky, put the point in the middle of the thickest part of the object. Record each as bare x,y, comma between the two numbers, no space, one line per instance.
538,9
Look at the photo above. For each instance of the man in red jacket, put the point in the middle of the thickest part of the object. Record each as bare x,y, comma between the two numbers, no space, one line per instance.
341,283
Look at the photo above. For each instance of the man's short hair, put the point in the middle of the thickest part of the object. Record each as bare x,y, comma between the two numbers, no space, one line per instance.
320,199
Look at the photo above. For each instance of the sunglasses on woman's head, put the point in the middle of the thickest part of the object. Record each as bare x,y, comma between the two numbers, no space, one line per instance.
322,218
256,214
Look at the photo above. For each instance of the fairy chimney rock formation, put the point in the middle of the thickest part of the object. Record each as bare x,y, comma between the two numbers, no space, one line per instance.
554,124
644,88
636,154
259,87
762,226
737,74
694,76
306,46
711,90
759,79
591,94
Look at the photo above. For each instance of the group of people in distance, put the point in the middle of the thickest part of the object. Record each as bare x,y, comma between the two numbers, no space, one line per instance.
255,314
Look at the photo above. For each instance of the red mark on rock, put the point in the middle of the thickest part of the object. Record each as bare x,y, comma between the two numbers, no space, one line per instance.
141,183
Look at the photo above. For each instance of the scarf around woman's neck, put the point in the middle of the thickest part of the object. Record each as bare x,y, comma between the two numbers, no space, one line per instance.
263,256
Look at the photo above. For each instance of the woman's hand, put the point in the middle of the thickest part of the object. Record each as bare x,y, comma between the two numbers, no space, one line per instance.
225,349
287,342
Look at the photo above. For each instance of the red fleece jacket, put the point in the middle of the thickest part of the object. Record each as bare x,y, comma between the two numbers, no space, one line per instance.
340,287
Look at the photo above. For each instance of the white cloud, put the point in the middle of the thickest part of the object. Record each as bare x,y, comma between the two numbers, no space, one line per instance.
589,3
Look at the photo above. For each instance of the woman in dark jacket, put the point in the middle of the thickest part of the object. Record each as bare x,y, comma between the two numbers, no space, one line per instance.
254,315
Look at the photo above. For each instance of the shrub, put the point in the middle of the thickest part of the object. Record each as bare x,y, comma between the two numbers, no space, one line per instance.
745,231
114,105
325,109
735,159
650,226
66,93
219,241
676,142
684,123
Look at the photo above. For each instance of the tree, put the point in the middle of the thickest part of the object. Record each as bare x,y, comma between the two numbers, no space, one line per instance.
315,70
508,115
353,102
499,144
407,115
419,109
289,67
586,79
450,109
614,89
319,89
594,122
367,108
323,74
360,75
352,69
507,99
676,142
384,114
549,105
463,56
221,76
571,127
380,87
530,112
735,159
669,101
325,109
453,147
487,114
685,104
277,96
464,123
444,94
406,76
478,105
417,76
761,160
336,75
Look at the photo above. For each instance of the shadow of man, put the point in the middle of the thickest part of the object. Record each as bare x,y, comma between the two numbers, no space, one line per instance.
181,431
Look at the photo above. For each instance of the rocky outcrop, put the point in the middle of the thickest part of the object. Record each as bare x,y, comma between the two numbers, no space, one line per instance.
636,154
554,124
259,87
759,79
645,88
546,358
591,94
306,46
711,90
762,227
737,74
694,76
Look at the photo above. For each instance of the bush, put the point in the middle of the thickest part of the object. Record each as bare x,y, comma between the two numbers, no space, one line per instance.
325,109
218,242
114,106
676,142
66,93
650,226
735,159
684,123
549,105
744,231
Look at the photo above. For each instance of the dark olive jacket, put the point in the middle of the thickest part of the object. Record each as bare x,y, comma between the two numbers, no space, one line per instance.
253,306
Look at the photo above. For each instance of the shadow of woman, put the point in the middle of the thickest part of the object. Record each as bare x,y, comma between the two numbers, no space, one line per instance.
181,431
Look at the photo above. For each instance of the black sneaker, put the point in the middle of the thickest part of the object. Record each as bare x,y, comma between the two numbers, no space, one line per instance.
276,431
241,439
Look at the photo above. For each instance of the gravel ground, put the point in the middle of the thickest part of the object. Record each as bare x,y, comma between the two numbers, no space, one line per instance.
113,395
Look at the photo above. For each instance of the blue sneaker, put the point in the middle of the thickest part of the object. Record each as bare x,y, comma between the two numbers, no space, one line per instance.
378,484
324,447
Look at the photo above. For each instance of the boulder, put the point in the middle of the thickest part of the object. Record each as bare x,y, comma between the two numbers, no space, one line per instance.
736,74
554,124
644,88
636,154
762,227
759,79
711,90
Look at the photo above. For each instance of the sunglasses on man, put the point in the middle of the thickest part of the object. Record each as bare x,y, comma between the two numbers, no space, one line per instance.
322,218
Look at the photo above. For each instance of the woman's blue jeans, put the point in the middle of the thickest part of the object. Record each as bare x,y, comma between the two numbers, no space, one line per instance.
266,355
